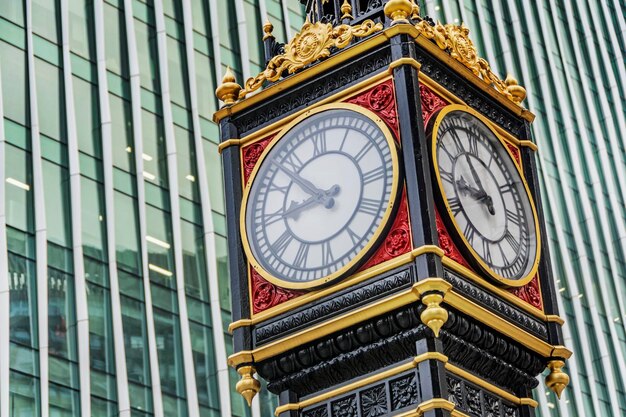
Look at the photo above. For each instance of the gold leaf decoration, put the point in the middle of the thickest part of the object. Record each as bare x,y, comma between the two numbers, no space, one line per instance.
314,42
455,40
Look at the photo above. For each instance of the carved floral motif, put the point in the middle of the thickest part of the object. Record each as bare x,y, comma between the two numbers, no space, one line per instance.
455,40
447,244
381,100
266,295
530,293
314,42
403,392
431,102
374,402
251,155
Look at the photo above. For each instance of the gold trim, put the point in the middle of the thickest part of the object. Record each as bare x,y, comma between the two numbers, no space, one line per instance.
435,403
507,281
561,352
355,279
312,43
501,325
227,143
557,380
553,318
490,387
467,273
393,147
404,61
359,49
247,386
228,90
526,143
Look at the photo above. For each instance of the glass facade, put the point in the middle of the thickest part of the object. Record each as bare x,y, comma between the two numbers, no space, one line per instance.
113,247
569,55
112,229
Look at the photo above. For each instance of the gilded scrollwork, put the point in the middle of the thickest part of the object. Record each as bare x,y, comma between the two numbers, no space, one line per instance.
455,40
315,41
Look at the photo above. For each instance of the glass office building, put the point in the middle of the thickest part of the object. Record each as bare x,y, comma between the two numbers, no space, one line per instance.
112,232
112,229
570,56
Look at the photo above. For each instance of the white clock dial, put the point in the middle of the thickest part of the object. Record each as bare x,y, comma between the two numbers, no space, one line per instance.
321,196
486,196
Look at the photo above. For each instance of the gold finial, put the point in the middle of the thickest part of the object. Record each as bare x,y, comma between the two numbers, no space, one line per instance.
557,380
228,91
415,12
268,27
346,9
398,10
247,386
518,93
434,316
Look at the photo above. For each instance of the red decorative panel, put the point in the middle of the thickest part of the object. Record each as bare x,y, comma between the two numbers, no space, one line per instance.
447,244
398,239
431,102
530,293
250,155
266,295
515,152
382,101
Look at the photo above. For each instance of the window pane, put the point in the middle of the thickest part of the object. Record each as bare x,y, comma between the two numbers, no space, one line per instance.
194,265
64,402
13,11
19,189
147,55
204,365
82,27
205,81
214,176
100,330
160,242
24,396
87,117
155,151
58,213
122,133
14,80
177,69
23,301
127,232
93,220
115,40
186,157
61,315
170,354
50,100
44,15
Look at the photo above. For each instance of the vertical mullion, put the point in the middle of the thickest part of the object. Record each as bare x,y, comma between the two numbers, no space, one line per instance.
40,221
172,164
82,313
135,92
243,38
4,278
215,38
207,222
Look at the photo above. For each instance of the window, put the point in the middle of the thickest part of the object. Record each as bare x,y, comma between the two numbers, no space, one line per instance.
93,219
14,79
57,205
127,232
87,117
50,100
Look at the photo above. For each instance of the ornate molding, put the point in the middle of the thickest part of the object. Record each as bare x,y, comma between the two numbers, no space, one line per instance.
266,295
477,401
315,41
336,304
381,99
456,41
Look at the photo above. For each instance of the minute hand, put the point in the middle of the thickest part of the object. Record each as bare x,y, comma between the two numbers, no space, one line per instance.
306,185
475,174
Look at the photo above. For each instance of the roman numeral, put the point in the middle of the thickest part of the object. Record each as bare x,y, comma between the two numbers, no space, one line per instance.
319,143
369,206
292,162
512,241
446,176
374,175
473,143
506,260
353,236
327,254
506,188
456,140
272,218
487,252
278,188
282,243
455,205
469,232
301,255
512,217
365,149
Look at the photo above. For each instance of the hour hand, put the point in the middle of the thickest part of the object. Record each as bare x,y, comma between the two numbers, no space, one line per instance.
305,184
325,198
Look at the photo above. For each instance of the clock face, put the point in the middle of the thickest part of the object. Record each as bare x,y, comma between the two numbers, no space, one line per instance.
321,196
486,196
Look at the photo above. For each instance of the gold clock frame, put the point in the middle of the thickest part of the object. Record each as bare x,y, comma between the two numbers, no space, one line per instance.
394,200
435,129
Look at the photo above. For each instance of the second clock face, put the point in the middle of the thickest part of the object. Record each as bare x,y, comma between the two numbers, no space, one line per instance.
486,196
321,196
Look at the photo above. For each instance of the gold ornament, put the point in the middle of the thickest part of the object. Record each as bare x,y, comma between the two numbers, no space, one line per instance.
346,9
228,91
268,27
415,12
313,43
518,93
434,316
398,10
247,386
557,380
455,40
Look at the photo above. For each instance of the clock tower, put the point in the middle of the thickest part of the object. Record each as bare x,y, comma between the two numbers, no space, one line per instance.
385,224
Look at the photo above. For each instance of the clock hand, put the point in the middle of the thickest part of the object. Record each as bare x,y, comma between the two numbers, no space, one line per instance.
480,195
474,173
326,198
306,185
